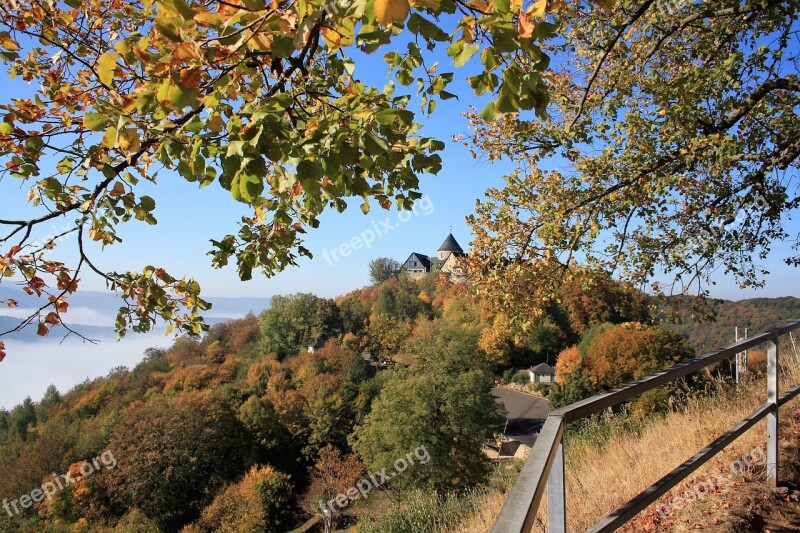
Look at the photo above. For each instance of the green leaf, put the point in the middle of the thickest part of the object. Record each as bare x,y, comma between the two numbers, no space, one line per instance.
147,203
374,145
462,52
308,169
489,112
64,166
249,187
105,68
95,121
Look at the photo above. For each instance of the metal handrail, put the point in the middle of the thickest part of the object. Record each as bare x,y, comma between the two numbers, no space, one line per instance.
545,469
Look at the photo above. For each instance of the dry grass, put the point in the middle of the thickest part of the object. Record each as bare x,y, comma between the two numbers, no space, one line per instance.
602,478
485,514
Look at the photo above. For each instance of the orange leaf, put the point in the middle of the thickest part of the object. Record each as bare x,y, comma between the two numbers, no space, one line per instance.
2,351
526,26
51,318
190,79
43,329
11,303
389,11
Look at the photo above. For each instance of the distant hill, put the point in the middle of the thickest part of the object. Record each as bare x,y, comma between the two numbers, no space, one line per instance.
757,314
28,334
105,306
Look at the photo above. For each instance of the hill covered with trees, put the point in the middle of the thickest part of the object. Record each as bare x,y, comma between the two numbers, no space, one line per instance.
264,421
757,314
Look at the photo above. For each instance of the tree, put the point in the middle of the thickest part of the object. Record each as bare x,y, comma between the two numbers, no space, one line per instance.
23,418
259,502
50,399
294,322
444,405
632,351
261,98
5,426
333,474
354,312
258,416
386,304
592,298
610,356
675,129
173,455
383,269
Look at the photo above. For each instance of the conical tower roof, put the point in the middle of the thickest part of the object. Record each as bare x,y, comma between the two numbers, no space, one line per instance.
450,245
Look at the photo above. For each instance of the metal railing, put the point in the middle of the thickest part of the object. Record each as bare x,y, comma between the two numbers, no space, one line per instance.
545,465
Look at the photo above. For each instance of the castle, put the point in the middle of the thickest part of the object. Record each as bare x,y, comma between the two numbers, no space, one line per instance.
446,260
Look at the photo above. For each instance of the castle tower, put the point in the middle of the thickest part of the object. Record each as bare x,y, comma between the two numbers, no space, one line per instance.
449,246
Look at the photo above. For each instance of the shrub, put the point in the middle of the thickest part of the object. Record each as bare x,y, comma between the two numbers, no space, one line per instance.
259,502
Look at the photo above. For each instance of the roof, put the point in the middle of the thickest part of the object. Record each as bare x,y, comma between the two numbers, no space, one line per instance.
423,259
450,245
543,368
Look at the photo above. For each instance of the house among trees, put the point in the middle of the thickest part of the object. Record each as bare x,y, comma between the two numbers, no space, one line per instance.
542,373
446,260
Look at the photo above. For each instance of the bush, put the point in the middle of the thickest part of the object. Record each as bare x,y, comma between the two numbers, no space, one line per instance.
259,502
521,378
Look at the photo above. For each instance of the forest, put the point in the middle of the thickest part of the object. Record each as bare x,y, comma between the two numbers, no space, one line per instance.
257,423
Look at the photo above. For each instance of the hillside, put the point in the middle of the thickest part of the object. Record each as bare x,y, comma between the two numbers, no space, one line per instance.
264,422
757,314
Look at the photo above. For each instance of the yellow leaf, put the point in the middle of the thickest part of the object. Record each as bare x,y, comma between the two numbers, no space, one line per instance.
263,42
129,141
7,42
106,66
388,11
480,5
538,8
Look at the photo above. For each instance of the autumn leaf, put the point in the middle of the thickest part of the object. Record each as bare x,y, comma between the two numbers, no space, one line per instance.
2,351
389,11
11,303
190,79
538,9
61,305
526,26
43,330
105,68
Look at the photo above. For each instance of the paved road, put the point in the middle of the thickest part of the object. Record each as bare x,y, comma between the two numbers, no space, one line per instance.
525,413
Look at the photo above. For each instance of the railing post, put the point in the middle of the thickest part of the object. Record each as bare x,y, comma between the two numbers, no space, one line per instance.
556,494
772,416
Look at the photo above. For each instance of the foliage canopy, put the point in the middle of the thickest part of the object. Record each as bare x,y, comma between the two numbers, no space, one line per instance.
675,130
259,98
